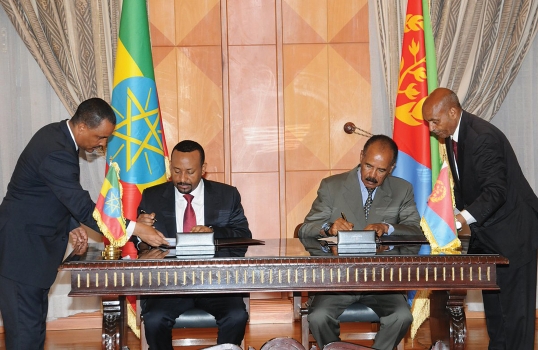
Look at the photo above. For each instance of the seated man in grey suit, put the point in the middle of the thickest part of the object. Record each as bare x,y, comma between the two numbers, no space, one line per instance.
189,203
371,199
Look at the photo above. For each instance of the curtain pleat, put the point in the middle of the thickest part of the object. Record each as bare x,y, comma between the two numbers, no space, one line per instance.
480,46
73,42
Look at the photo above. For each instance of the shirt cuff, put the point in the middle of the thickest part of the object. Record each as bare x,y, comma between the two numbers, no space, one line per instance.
468,217
130,228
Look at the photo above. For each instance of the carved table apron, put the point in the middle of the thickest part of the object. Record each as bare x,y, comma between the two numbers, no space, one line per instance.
449,276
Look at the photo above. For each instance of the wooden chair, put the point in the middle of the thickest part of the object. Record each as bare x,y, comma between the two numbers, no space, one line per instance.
193,318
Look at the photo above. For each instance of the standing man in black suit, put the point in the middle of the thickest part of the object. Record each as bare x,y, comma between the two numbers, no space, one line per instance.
501,209
43,206
217,208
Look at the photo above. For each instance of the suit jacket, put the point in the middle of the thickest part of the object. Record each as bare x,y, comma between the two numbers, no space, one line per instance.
394,203
493,189
222,210
43,196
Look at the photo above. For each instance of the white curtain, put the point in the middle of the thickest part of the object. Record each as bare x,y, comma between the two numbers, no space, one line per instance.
28,102
517,116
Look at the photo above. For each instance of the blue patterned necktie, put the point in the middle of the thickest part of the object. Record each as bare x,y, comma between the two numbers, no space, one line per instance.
368,203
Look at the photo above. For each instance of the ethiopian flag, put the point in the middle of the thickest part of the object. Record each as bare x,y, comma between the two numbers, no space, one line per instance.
108,210
138,143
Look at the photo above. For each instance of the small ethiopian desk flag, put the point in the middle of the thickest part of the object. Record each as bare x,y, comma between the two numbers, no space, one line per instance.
108,211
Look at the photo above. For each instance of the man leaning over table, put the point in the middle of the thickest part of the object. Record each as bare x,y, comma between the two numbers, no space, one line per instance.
45,205
390,210
217,208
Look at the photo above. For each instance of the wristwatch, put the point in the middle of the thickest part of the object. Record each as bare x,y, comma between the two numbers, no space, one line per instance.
326,227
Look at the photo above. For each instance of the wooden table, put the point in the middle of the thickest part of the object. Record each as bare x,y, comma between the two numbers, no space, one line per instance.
285,265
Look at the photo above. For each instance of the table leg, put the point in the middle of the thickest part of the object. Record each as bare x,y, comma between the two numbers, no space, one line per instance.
114,323
447,319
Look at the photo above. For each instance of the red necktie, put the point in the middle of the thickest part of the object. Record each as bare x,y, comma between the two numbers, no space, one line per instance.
455,148
189,218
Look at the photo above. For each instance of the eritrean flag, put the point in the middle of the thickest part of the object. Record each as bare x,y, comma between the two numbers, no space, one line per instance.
411,131
418,158
439,222
138,142
108,211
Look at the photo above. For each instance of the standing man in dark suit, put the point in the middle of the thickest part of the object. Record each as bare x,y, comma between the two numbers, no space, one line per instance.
501,209
392,211
43,206
215,207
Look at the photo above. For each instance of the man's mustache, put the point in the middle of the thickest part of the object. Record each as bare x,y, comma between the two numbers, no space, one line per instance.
371,179
183,184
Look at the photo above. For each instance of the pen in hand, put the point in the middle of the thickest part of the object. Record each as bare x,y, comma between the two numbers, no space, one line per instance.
142,211
343,216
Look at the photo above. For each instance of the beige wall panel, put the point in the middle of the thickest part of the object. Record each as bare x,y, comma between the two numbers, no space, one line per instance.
259,196
219,177
251,22
306,107
304,21
162,19
164,62
347,21
253,108
349,101
301,190
200,100
197,22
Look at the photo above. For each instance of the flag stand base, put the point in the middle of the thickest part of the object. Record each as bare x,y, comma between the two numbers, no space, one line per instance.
111,253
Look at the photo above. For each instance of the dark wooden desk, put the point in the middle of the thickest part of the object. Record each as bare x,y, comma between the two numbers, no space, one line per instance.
285,265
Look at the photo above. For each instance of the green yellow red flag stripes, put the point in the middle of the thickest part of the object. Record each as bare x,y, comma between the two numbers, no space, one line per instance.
138,143
108,210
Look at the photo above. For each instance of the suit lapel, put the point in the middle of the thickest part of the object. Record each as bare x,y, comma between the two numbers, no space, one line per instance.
353,199
169,209
462,137
211,201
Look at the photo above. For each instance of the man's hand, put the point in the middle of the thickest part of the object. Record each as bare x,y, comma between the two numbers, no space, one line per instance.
465,229
340,225
380,228
149,235
79,239
146,219
201,228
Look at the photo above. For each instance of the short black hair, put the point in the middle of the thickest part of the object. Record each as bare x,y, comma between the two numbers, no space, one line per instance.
190,146
92,112
386,141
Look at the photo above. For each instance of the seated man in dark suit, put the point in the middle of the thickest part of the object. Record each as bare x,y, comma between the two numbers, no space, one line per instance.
371,199
191,204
